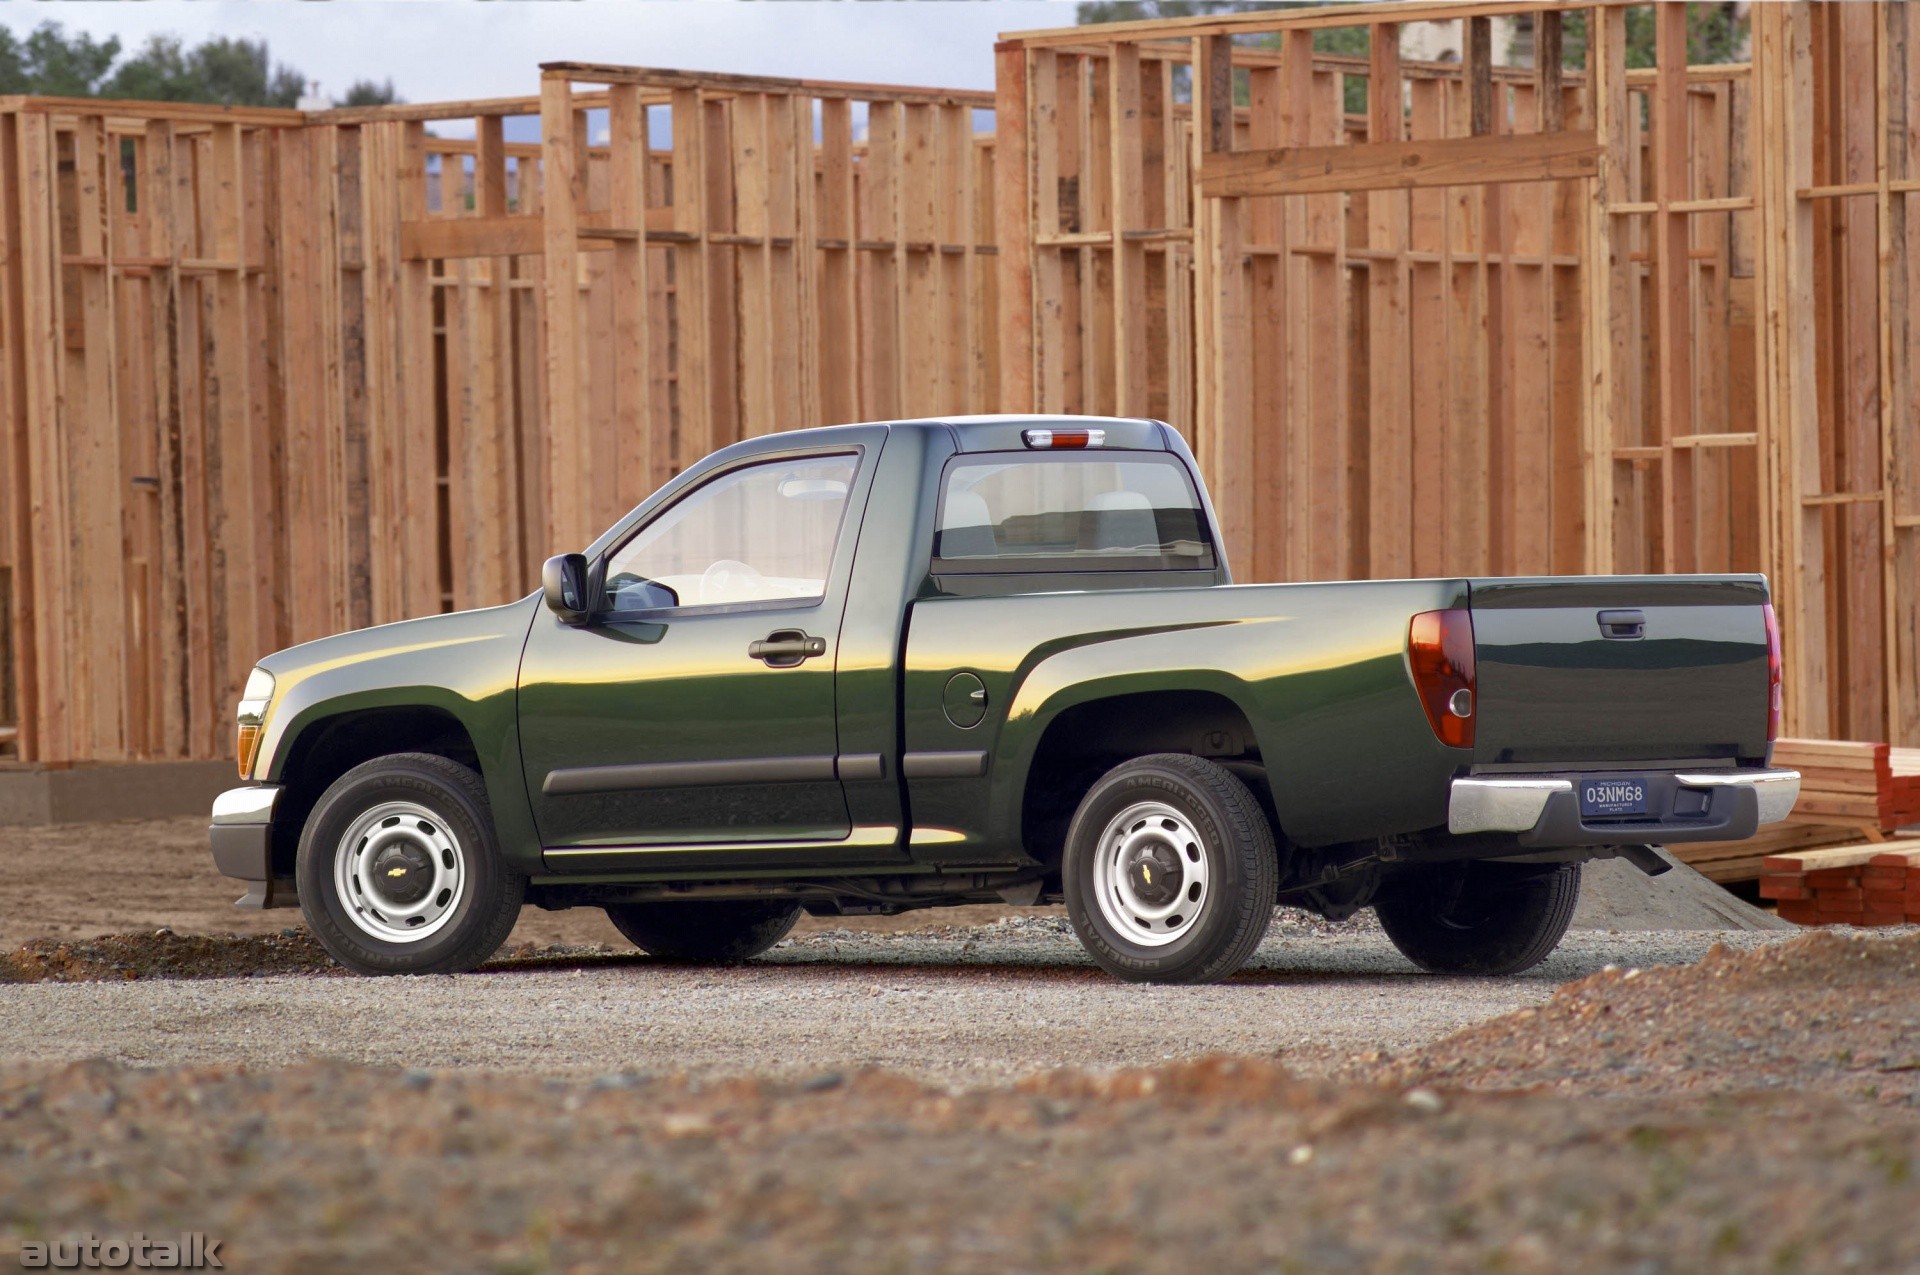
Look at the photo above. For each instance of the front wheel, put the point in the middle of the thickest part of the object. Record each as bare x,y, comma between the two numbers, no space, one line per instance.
705,932
1170,871
1479,917
399,872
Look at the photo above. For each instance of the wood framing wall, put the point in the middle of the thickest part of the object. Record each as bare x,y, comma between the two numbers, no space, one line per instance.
1509,319
266,376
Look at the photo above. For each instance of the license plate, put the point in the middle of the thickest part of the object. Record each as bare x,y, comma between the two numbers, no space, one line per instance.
1606,798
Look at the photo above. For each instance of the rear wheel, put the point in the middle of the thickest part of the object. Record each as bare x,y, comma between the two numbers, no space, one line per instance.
1170,871
1479,917
715,932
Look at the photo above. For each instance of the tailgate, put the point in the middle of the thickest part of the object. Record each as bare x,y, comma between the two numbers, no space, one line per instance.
1624,669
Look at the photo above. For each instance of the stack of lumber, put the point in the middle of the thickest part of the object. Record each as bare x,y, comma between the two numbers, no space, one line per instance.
1843,782
1729,861
1858,885
1850,792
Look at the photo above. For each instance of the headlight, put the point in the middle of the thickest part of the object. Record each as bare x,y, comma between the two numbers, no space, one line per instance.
253,713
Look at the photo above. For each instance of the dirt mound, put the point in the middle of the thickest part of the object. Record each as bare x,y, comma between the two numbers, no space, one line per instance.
164,954
1615,895
1827,1012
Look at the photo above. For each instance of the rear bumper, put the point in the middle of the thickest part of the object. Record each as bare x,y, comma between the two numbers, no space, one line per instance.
241,837
1723,805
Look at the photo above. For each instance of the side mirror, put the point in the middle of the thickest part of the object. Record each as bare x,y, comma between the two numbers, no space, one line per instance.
565,580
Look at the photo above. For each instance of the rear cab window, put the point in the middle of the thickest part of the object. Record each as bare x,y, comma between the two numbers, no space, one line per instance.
1025,514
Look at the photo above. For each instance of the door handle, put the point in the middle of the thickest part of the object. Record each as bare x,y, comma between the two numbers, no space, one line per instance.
1625,625
786,648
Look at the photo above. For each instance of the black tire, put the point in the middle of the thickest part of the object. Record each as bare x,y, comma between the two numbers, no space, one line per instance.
1479,917
714,932
481,909
1235,851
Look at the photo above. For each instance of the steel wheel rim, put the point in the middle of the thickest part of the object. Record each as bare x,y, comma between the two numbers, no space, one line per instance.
418,901
1151,879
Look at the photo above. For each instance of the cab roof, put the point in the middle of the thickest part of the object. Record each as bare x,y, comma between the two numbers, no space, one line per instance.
1003,433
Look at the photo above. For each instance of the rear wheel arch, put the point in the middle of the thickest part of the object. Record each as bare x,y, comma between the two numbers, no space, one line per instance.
1085,740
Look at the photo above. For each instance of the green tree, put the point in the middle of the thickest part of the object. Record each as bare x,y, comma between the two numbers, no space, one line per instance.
227,71
50,63
1351,41
1715,33
368,93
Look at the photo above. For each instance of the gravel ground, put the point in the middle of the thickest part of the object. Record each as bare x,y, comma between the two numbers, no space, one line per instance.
953,1006
972,1095
1433,1163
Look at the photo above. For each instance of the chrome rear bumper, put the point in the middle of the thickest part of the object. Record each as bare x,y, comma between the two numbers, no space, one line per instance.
1545,809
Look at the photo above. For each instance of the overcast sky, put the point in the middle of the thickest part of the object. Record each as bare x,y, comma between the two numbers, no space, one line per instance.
436,50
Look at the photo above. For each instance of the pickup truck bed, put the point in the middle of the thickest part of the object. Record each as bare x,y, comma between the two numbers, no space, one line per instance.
888,666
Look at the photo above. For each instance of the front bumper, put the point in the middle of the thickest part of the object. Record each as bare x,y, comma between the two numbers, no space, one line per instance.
1712,805
241,836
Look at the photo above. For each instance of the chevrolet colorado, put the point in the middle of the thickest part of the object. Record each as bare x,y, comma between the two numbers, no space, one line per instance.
888,666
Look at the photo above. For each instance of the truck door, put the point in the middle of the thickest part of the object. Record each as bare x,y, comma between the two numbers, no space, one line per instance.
699,708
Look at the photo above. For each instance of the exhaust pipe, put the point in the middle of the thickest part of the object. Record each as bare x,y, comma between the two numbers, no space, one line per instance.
1644,858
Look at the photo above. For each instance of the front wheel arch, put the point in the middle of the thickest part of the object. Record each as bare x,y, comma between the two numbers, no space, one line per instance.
328,748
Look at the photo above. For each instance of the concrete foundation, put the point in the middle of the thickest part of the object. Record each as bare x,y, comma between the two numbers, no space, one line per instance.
35,795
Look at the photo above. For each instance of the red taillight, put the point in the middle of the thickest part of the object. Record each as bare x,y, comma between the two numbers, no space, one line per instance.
1440,653
1773,673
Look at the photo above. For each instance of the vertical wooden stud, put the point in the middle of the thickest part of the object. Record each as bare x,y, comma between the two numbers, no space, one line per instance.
1013,199
568,529
1608,353
1390,529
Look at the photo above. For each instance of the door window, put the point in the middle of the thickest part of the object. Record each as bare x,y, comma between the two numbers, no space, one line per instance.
761,533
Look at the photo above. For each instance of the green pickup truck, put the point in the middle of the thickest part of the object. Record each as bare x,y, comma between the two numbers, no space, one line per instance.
993,659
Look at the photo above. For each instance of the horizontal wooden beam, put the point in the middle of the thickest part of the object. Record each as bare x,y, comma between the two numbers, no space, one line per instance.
449,238
1731,203
1264,20
1703,76
1856,188
429,112
453,238
719,83
1844,498
1452,161
196,112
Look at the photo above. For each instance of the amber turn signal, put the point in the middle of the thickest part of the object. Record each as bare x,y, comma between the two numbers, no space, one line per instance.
252,717
248,745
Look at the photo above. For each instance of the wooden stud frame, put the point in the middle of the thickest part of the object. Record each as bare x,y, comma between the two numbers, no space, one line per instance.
1524,319
267,375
